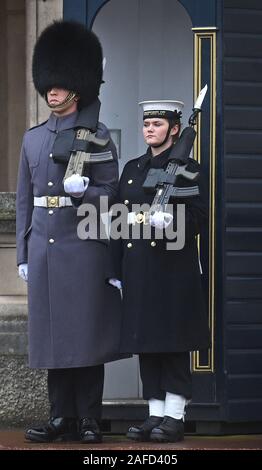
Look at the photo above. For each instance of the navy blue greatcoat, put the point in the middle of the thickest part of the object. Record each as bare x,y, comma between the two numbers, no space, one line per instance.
164,308
74,315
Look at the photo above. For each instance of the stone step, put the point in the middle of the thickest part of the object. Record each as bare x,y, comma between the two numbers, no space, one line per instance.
13,325
12,307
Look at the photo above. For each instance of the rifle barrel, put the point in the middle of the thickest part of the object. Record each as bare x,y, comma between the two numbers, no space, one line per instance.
163,198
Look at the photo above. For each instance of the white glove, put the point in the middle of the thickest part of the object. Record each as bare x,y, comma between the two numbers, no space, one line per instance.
116,283
76,185
23,271
160,219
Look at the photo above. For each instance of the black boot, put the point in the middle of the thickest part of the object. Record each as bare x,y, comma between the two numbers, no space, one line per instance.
142,432
170,430
89,431
57,429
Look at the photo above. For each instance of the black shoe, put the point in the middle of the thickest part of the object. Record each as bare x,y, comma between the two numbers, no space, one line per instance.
170,430
57,429
89,431
142,432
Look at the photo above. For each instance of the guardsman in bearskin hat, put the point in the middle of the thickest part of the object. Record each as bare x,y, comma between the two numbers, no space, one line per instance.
74,313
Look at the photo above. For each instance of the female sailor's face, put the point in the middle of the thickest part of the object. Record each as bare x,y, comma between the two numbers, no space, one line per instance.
155,130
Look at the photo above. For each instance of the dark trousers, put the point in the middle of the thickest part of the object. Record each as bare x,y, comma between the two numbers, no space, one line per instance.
165,372
76,392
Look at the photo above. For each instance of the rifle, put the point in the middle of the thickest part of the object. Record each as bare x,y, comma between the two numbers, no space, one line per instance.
72,146
164,181
79,158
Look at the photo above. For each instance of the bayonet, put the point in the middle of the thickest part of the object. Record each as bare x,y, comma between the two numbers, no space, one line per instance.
200,98
197,106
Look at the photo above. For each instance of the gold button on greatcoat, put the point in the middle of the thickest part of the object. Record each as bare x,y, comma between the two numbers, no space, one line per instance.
50,155
50,212
51,240
153,244
50,183
129,245
126,201
130,181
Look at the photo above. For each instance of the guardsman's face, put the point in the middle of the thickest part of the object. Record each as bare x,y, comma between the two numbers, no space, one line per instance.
155,129
56,96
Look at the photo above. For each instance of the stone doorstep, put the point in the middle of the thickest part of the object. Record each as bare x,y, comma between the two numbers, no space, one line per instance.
7,213
13,326
7,203
12,307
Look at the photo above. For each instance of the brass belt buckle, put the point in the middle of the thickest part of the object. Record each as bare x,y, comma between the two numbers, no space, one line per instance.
142,218
139,218
52,201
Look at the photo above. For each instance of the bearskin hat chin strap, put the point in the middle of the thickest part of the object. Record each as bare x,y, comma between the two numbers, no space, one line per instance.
64,105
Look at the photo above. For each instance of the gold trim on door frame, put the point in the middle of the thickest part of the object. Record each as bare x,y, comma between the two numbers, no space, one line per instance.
201,34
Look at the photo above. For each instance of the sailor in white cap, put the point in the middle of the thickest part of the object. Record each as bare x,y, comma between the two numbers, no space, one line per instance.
161,129
157,115
163,307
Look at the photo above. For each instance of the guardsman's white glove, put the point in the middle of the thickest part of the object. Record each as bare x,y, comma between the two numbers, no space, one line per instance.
116,283
160,219
23,271
76,185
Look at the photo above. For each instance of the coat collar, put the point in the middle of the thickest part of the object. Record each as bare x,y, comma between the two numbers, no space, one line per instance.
87,117
154,162
56,123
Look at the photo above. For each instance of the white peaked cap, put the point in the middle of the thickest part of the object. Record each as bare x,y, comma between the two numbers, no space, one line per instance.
161,106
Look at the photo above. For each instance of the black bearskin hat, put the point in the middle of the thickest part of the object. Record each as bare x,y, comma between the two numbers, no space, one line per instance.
69,56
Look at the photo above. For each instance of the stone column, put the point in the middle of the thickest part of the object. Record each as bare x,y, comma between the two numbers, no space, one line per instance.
3,100
15,36
12,89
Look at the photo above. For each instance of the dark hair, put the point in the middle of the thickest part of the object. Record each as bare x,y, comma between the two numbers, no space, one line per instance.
172,123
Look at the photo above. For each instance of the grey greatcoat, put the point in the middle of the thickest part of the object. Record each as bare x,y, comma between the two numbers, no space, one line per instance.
163,304
74,314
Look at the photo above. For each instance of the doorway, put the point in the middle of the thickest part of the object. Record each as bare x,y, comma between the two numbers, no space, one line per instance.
148,46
